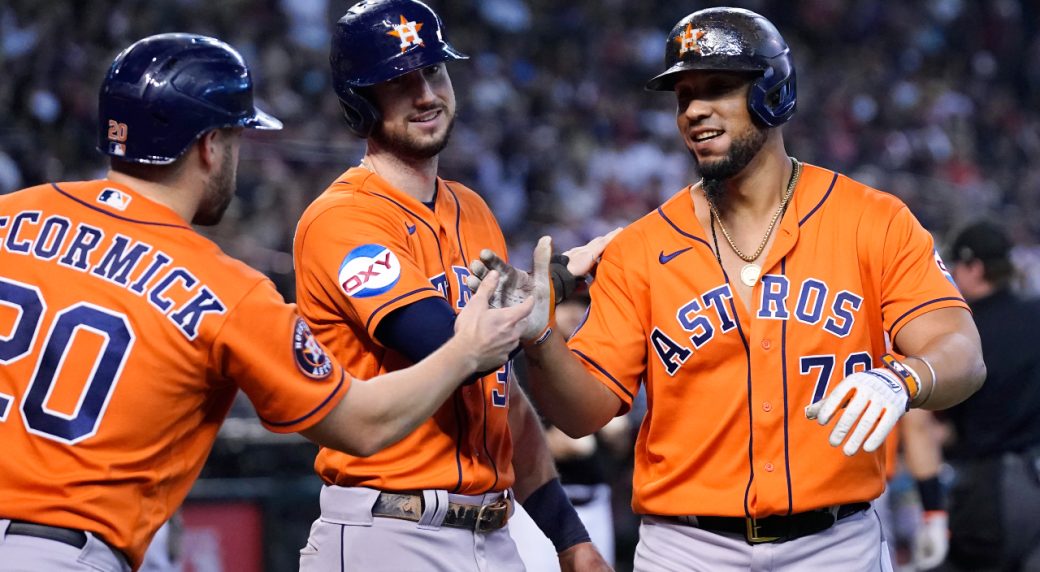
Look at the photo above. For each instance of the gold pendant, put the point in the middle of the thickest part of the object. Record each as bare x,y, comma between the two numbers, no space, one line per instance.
749,274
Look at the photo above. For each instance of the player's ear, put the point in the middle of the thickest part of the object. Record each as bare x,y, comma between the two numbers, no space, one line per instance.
209,146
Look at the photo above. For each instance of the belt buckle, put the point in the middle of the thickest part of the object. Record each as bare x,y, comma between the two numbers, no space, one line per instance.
752,533
486,513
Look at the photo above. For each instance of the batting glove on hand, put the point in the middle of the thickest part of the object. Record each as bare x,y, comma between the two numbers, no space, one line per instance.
515,286
932,541
878,398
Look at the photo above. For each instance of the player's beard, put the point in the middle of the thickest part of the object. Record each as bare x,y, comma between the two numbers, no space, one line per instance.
217,195
743,149
404,145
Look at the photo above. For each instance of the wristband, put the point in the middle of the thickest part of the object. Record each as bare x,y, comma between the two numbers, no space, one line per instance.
551,510
545,336
931,386
564,283
930,491
907,376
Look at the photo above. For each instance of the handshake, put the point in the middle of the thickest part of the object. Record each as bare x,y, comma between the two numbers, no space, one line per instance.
550,282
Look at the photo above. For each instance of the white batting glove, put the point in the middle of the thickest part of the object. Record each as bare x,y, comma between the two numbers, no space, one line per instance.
515,286
878,398
932,541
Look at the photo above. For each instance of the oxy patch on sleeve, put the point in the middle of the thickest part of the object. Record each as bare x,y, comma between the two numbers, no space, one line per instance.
369,270
310,356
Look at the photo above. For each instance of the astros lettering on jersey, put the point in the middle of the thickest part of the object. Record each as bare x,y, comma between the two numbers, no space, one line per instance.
364,249
124,337
727,434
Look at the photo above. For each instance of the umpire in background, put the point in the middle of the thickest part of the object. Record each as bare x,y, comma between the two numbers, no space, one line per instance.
995,499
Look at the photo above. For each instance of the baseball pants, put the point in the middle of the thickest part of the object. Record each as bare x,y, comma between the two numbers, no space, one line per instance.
20,553
854,543
346,537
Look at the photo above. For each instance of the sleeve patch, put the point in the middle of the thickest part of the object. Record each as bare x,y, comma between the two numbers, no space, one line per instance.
942,267
310,356
369,270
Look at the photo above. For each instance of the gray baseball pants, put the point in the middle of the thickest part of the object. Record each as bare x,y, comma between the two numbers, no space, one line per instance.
853,544
30,554
346,537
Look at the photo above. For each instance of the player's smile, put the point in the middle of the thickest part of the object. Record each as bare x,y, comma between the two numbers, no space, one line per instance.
427,116
707,141
705,134
430,121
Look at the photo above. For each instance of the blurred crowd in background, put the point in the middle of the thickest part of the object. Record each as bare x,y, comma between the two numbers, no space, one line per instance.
936,101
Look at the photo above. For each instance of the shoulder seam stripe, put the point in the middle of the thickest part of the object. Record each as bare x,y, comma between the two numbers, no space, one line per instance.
919,306
395,299
834,179
335,390
458,221
660,211
113,215
604,372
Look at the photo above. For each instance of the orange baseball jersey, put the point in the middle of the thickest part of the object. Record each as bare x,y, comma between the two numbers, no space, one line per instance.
727,388
364,249
124,336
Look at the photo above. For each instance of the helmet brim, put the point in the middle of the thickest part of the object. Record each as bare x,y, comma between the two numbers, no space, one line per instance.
262,120
665,81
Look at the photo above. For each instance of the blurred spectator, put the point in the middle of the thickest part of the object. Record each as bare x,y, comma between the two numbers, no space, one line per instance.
996,445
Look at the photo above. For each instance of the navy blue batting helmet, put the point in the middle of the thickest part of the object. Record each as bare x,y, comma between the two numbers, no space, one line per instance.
734,39
165,91
376,41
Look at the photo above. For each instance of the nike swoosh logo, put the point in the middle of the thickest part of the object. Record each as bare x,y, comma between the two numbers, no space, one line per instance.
666,258
411,229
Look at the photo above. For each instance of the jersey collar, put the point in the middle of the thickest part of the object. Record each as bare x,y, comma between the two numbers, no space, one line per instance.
121,202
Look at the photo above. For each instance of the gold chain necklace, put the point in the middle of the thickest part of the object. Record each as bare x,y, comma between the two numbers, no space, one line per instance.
750,272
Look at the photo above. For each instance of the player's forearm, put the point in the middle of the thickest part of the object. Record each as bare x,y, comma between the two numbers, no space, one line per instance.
959,370
949,342
566,393
383,410
532,462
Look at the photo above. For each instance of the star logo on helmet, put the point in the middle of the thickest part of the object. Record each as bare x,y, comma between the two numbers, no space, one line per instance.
408,32
688,40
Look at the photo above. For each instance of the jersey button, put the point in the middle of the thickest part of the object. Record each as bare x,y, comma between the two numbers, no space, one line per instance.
769,467
766,344
767,407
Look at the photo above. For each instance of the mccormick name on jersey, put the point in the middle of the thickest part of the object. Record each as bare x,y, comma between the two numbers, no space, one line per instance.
133,265
810,302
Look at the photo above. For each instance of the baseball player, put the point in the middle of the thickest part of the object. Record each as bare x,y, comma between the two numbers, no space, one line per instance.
744,304
126,335
381,260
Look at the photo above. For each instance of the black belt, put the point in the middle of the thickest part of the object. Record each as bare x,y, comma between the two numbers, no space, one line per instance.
775,528
75,538
479,518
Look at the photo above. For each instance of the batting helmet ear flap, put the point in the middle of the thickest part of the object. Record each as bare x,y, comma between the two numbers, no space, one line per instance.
360,113
772,97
